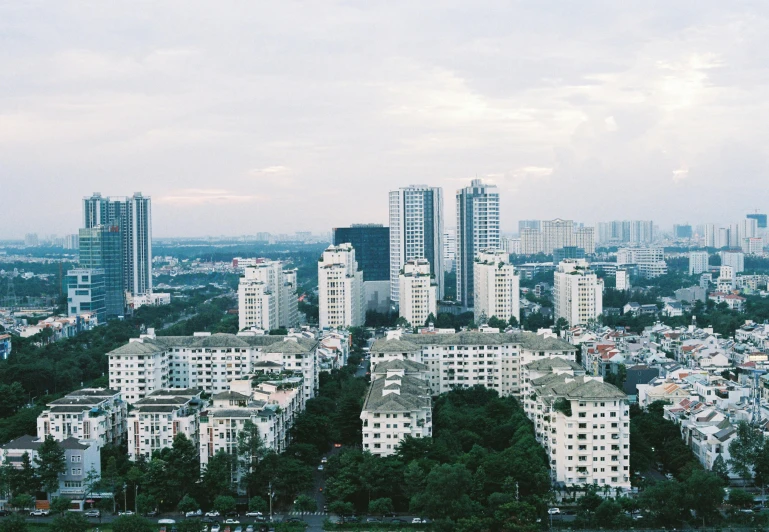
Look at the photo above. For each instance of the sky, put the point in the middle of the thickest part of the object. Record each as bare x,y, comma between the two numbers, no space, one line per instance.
238,117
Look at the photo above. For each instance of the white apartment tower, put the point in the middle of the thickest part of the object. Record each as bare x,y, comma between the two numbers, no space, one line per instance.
497,291
698,262
449,249
577,292
735,259
340,288
477,229
267,296
416,232
418,292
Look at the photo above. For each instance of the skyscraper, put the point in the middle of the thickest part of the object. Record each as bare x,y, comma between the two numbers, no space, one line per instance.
416,232
101,248
477,229
372,248
497,292
577,292
133,218
759,218
340,288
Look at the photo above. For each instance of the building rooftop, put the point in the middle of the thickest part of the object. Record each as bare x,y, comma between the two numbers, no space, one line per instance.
401,394
526,340
551,363
576,387
393,346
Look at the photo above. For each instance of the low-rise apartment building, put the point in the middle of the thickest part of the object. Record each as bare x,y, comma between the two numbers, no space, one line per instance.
89,414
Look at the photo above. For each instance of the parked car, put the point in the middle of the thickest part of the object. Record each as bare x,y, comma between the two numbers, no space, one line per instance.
320,467
151,513
337,445
250,528
231,522
553,511
127,512
213,513
92,513
216,528
39,513
373,520
4,513
416,521
324,460
252,514
196,513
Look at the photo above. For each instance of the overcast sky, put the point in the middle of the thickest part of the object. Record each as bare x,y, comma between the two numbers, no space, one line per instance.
239,117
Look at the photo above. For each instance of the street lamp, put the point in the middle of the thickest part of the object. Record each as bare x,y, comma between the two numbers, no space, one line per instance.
270,494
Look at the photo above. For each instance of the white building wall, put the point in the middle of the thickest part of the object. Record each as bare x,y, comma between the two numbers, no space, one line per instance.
497,287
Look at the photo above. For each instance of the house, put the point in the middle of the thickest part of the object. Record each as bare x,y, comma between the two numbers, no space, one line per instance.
733,301
632,308
673,309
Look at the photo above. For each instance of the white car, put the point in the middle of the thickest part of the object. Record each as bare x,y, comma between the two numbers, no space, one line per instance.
320,467
216,528
212,513
324,460
416,521
92,513
232,522
253,514
196,513
127,512
554,511
39,513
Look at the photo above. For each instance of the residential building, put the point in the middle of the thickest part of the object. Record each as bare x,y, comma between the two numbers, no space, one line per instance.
568,252
89,414
577,293
267,297
733,301
536,225
635,232
477,229
734,259
683,231
80,456
397,405
584,425
206,361
340,288
497,287
449,249
512,246
86,293
698,262
6,344
691,294
557,234
101,249
372,248
649,261
71,242
753,245
622,279
416,232
467,359
760,220
133,218
418,292
156,419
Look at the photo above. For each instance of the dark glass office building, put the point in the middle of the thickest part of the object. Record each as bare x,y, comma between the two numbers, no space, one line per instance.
372,248
759,218
101,247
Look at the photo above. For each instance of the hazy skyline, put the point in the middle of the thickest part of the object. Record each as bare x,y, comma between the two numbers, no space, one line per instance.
239,117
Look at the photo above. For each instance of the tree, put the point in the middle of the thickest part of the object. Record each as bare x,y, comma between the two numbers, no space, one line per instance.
51,463
704,493
145,503
110,479
257,504
71,522
59,505
560,325
22,501
382,506
445,494
182,467
91,482
514,321
497,323
217,478
188,504
251,450
132,523
303,503
740,498
13,523
25,479
224,504
744,450
720,468
341,508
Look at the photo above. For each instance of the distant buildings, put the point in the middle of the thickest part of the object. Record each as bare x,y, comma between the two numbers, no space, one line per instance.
477,229
619,232
340,288
512,246
733,259
31,240
449,249
267,297
372,248
86,293
5,346
418,292
577,293
497,287
698,262
416,232
556,234
682,231
101,248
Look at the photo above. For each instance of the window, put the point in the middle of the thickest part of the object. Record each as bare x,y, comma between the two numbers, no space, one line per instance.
77,458
77,472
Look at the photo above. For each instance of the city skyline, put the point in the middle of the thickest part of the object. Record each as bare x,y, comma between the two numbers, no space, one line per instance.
241,110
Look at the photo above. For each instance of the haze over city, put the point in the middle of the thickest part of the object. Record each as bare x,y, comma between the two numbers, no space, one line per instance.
294,116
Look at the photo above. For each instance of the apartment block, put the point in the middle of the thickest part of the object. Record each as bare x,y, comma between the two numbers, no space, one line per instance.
86,293
418,292
698,262
205,361
97,414
556,234
577,293
734,259
340,288
497,287
649,261
267,296
398,404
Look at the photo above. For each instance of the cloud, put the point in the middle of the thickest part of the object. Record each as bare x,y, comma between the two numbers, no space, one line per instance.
193,197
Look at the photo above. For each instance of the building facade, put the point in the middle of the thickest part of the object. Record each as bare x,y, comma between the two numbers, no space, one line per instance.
416,232
477,229
418,292
267,297
734,259
101,248
497,287
86,293
372,248
340,288
577,293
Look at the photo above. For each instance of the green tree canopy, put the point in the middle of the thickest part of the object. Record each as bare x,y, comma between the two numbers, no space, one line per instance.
50,464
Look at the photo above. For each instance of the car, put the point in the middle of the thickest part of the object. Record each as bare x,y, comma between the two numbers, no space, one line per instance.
320,467
324,460
216,528
196,513
250,528
746,511
294,520
238,529
253,514
92,513
39,513
151,513
373,520
212,513
231,522
166,521
325,508
337,445
758,508
553,511
232,514
397,520
416,521
4,513
127,512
